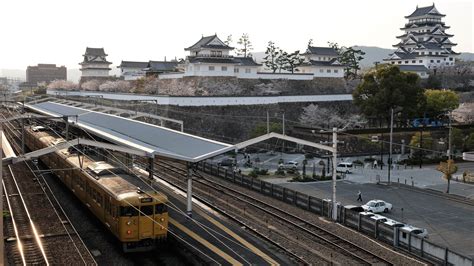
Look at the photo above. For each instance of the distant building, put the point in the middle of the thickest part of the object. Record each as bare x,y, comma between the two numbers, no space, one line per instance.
132,70
425,42
95,64
211,57
45,73
322,62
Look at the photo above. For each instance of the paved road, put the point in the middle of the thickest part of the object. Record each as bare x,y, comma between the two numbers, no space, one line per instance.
449,223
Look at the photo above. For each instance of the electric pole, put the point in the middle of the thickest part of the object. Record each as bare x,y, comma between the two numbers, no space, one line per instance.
334,173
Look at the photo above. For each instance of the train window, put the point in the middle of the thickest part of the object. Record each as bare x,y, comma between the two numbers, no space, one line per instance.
128,211
146,210
160,208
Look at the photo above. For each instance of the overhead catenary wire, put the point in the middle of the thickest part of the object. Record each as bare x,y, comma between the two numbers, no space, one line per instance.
174,207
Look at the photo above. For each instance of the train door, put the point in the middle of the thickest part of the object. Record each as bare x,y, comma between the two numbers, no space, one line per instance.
146,226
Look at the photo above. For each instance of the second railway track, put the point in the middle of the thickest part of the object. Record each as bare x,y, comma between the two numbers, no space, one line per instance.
304,230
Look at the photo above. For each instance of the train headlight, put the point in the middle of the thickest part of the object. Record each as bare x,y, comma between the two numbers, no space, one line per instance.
129,222
162,219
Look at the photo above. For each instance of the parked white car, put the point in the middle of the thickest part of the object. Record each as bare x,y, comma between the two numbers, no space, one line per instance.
377,206
291,165
344,167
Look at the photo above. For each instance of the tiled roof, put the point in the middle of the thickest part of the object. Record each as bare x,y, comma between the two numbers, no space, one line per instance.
420,11
332,62
204,43
224,60
322,51
133,64
246,61
95,51
161,66
413,68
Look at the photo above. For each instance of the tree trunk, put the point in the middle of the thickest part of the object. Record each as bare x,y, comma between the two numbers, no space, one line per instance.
449,181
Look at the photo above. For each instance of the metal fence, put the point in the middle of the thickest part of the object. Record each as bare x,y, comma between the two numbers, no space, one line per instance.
392,235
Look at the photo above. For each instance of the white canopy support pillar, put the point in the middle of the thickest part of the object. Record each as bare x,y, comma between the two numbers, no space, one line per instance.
74,142
189,198
332,149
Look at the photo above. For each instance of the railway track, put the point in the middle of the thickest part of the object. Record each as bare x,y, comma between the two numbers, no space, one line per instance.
303,228
27,239
43,236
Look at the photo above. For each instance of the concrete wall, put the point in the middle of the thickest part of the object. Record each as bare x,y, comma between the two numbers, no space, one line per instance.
171,75
232,86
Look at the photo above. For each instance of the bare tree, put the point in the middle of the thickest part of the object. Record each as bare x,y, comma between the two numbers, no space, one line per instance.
316,116
246,46
91,85
62,85
115,86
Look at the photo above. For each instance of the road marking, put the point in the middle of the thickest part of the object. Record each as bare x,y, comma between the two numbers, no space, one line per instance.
240,239
206,243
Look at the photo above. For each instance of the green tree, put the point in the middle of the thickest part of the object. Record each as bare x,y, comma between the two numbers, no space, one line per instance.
349,57
261,129
433,82
427,143
470,142
293,61
245,46
440,101
228,41
457,138
281,60
448,168
387,88
271,55
427,140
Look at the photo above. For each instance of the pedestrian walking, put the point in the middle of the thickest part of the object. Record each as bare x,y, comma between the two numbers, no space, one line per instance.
359,196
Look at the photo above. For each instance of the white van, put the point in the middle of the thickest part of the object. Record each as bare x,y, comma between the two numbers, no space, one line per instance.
344,167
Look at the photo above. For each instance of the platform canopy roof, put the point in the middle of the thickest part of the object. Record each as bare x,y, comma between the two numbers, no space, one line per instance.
154,140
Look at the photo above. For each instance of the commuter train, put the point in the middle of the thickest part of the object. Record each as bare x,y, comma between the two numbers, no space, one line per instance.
139,219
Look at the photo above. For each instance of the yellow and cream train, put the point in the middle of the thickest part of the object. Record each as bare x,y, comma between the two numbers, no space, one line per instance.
139,219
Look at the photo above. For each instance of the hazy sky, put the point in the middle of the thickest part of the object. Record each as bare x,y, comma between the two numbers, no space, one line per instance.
58,31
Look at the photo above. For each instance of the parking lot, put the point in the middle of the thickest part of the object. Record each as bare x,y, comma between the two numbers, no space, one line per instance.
448,223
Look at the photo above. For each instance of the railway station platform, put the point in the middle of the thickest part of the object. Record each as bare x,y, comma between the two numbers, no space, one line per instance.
211,236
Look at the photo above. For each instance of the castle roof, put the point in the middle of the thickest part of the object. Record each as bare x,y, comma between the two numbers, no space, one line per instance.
246,61
133,64
95,51
161,66
427,10
322,51
332,62
212,42
413,68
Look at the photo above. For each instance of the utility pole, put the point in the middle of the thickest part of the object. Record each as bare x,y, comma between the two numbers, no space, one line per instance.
268,123
390,145
334,173
449,136
421,145
283,124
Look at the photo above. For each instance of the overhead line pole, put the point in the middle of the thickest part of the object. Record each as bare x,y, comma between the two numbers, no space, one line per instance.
390,145
334,173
